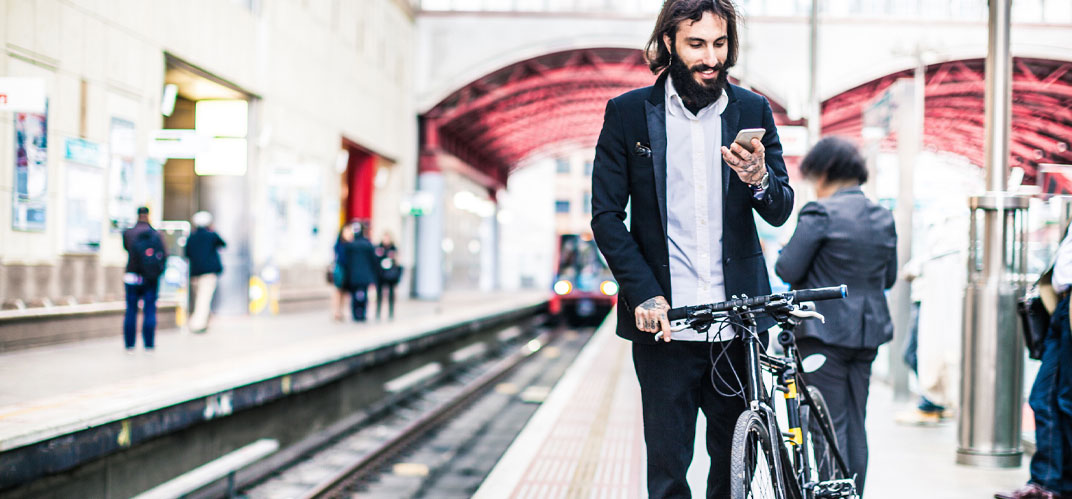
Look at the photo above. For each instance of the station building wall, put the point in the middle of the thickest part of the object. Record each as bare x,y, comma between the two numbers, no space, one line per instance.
319,71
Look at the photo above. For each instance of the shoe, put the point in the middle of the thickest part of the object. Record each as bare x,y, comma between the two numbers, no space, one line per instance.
130,351
917,417
1029,491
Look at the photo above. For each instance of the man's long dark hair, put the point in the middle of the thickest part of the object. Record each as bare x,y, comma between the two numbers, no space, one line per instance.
676,11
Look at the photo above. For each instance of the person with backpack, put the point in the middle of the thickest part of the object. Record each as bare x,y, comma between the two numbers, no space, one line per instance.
390,273
146,260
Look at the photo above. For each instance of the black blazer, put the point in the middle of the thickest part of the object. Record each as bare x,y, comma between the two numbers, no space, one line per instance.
844,239
630,166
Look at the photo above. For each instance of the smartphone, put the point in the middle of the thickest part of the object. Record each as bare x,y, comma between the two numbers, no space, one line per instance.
744,137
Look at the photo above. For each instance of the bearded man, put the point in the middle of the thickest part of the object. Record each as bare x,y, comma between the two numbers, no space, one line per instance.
668,149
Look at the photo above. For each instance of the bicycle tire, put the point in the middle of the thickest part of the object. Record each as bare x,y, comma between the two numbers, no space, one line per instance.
823,462
753,474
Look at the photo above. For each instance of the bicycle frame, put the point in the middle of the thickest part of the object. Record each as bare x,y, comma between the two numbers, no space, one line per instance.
788,380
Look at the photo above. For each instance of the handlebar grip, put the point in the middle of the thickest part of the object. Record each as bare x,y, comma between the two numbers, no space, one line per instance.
676,314
832,293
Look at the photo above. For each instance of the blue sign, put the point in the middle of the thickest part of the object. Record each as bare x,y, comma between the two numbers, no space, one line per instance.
84,152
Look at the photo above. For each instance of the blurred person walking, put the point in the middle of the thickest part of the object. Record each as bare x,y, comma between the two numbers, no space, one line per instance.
937,278
1051,393
360,268
843,238
390,273
146,260
203,252
337,275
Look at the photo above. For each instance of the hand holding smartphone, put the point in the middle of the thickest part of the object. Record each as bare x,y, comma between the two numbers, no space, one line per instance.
745,136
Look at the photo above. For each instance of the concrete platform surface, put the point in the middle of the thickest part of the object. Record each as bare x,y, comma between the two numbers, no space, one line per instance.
50,391
586,441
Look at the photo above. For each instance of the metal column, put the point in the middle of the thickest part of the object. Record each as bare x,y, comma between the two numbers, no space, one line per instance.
992,364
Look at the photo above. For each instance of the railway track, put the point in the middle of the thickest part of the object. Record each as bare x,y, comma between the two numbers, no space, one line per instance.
450,431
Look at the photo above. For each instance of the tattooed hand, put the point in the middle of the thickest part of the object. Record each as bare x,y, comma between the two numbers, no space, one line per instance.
651,317
750,166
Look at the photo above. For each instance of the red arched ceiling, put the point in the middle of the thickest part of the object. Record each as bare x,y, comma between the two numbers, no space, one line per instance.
497,121
954,111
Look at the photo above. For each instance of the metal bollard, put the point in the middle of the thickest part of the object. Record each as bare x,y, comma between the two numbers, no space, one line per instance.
992,368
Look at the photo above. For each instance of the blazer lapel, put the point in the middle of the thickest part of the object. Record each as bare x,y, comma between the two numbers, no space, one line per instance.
730,118
656,114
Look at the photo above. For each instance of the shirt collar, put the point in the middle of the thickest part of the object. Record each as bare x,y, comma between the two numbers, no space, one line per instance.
676,106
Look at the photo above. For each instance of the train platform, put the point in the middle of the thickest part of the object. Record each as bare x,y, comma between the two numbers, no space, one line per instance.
64,405
587,441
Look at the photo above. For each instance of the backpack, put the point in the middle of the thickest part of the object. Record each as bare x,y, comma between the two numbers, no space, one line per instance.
149,259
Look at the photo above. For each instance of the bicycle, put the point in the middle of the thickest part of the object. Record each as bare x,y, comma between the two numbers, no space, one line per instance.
815,469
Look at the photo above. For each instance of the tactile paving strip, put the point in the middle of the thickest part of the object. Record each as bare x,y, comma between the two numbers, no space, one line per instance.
595,449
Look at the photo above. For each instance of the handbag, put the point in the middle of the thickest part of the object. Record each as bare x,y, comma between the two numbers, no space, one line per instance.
390,272
1035,320
338,276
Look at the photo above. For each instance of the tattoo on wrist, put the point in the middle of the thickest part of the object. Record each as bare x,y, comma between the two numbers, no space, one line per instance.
654,303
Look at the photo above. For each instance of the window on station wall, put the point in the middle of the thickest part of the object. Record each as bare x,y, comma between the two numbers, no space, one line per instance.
562,206
562,165
588,168
588,202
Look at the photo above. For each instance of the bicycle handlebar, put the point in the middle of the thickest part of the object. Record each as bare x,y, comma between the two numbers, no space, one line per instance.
817,294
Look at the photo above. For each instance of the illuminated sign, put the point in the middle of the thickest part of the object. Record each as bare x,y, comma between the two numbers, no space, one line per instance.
22,95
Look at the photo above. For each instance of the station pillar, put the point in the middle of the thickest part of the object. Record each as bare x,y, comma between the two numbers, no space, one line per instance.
992,364
428,270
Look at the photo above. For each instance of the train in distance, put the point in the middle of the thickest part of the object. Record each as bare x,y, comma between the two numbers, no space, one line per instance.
584,288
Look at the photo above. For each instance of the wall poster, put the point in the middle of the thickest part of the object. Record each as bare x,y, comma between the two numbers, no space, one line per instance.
30,195
85,187
122,212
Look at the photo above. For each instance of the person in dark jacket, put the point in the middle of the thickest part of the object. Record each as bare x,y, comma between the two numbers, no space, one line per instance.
141,284
203,252
843,238
390,273
359,270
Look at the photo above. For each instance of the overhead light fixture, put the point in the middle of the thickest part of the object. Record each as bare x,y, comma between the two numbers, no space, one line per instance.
167,102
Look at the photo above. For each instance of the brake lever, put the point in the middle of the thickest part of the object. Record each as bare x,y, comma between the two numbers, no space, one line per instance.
680,326
808,314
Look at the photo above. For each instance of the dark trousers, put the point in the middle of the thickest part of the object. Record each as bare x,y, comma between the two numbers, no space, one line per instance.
1051,400
387,288
359,302
844,380
676,381
144,293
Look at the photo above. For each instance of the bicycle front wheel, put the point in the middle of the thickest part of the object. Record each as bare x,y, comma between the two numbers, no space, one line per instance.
753,474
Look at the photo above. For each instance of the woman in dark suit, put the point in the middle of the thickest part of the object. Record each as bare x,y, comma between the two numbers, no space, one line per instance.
843,238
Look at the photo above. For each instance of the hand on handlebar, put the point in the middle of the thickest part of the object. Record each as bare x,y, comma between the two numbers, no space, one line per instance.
651,317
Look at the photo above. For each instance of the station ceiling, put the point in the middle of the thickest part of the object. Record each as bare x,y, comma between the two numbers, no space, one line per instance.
954,111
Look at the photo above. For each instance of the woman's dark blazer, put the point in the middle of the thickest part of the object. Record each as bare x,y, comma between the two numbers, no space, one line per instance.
844,239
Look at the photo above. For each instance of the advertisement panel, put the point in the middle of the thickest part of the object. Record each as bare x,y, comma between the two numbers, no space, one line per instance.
85,187
30,195
122,212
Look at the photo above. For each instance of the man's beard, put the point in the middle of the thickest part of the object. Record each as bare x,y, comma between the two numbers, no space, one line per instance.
694,94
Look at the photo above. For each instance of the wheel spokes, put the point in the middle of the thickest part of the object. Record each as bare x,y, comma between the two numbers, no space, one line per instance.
760,481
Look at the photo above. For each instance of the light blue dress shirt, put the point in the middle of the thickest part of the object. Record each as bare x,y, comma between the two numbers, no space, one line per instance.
694,207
